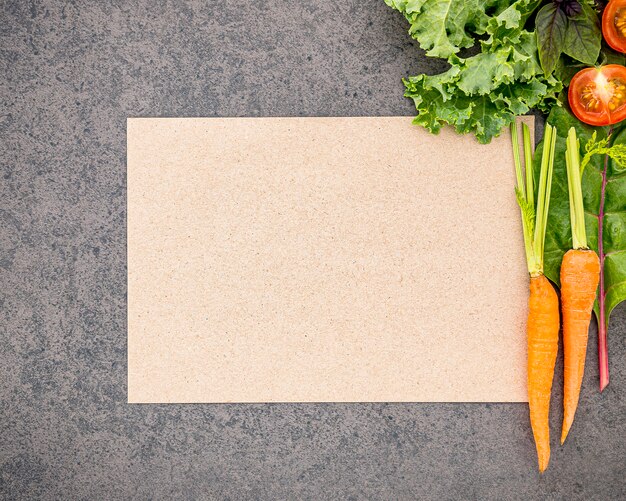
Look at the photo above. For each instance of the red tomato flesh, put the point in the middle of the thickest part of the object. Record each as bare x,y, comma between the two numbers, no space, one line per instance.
614,24
597,96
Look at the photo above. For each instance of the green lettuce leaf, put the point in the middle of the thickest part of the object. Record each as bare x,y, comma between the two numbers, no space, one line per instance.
505,27
483,93
443,27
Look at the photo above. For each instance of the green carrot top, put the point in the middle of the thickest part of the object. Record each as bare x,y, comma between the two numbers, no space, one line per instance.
574,177
534,216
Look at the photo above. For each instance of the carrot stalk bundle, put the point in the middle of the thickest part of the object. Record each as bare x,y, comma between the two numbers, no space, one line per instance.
580,274
543,306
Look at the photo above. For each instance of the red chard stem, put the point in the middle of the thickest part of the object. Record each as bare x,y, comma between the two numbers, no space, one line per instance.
603,351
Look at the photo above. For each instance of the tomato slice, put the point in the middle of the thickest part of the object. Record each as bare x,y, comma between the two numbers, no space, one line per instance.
597,96
614,24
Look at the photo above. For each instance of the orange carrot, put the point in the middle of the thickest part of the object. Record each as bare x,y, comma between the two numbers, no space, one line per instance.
543,343
580,274
543,304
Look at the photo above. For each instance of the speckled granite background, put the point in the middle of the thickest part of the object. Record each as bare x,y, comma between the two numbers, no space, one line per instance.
70,74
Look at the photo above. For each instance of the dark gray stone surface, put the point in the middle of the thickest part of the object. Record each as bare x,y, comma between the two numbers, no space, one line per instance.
70,74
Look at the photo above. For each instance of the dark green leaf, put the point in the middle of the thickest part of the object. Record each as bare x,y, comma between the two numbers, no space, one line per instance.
566,68
609,56
558,234
583,36
551,25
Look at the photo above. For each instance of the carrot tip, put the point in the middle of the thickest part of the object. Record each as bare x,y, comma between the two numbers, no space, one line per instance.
543,463
564,433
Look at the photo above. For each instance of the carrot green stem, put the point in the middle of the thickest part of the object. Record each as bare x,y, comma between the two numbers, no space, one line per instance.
543,196
574,183
528,159
516,158
534,217
527,209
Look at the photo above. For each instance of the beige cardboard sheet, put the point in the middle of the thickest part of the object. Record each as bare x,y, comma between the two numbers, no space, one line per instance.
322,260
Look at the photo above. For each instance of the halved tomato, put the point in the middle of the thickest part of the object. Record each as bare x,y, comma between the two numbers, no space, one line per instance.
614,24
597,96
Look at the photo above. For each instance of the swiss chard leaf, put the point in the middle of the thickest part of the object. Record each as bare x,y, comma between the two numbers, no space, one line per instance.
551,32
614,234
610,222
